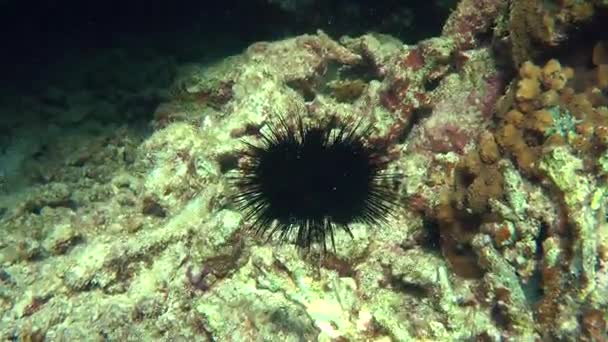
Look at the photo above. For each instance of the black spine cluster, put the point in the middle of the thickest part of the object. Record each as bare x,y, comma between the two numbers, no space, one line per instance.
309,180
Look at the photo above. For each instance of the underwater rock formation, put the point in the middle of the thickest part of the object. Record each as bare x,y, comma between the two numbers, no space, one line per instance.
500,234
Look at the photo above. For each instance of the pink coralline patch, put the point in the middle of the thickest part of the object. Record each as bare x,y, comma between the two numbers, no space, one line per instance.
393,97
438,72
219,96
423,99
494,87
448,138
413,60
245,130
452,125
224,93
386,142
402,100
418,203
167,113
461,58
396,130
405,94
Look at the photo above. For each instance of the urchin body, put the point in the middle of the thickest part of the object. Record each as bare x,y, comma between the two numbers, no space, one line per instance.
302,182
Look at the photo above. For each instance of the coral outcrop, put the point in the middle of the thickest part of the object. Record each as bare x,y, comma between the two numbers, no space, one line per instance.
501,232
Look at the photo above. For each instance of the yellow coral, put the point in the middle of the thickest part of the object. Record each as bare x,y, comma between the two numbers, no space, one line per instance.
602,75
546,104
585,129
582,11
488,150
600,53
515,118
549,98
526,159
580,106
551,67
542,120
568,72
528,89
602,134
552,75
529,70
509,136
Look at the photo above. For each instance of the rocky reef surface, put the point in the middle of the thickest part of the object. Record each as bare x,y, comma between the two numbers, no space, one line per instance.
499,126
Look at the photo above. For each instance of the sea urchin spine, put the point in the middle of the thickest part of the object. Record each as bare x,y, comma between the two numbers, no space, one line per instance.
309,180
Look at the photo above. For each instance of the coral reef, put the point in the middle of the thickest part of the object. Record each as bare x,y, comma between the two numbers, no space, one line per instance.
500,233
534,24
472,20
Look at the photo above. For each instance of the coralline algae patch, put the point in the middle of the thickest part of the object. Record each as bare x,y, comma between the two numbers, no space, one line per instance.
501,233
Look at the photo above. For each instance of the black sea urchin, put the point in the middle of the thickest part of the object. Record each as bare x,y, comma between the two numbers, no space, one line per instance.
309,180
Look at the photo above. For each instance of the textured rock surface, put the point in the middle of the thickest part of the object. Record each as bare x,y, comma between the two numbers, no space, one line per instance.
134,238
